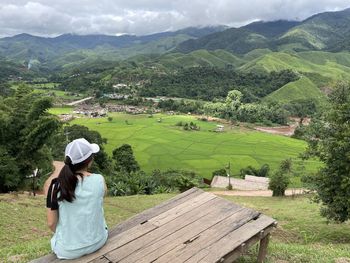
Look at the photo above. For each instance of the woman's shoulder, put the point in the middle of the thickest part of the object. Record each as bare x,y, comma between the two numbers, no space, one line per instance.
96,177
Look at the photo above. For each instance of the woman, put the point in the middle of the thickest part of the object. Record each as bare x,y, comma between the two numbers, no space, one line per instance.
75,204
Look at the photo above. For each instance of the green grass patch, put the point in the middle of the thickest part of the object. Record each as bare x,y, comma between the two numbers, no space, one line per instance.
303,88
335,66
302,234
163,145
61,110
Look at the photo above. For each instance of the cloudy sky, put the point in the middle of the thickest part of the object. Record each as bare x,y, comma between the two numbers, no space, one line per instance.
140,17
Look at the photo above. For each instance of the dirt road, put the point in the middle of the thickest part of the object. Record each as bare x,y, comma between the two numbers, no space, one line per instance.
288,192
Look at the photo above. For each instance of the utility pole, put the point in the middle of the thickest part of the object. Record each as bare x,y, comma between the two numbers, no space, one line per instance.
35,173
66,133
228,172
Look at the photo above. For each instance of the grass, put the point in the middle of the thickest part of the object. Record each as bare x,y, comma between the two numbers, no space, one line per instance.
333,65
163,145
301,89
61,110
302,234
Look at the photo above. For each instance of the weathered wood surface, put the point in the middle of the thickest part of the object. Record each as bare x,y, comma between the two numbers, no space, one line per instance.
194,226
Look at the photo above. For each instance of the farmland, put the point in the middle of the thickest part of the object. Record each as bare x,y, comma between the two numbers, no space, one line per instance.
159,144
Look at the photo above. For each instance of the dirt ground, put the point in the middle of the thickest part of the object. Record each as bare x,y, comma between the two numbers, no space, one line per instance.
289,192
284,130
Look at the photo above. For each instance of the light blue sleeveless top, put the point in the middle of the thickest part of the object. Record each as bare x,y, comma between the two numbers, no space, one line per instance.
81,224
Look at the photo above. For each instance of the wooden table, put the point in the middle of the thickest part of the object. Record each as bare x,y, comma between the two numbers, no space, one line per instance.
194,226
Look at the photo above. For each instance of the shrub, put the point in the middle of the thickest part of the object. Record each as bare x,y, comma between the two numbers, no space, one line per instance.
123,183
279,182
250,170
220,172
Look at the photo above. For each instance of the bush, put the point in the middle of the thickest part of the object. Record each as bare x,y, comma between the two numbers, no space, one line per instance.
123,183
220,172
250,170
279,182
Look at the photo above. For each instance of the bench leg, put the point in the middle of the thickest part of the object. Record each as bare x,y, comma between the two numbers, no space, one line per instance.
263,248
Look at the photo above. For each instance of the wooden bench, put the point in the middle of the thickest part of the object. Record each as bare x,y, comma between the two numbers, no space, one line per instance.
194,226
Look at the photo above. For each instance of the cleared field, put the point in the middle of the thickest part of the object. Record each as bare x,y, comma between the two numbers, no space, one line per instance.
302,235
61,110
163,145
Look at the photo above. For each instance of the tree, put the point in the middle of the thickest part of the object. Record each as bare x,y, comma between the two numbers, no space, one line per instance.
25,129
125,160
233,99
328,139
102,163
280,179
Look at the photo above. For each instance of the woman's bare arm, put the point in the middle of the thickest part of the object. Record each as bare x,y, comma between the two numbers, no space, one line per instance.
52,219
52,215
105,187
58,167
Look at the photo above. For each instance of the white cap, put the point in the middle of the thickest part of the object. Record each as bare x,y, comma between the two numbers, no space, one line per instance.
80,149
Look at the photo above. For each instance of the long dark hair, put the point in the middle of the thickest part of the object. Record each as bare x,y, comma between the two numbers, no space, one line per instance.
68,179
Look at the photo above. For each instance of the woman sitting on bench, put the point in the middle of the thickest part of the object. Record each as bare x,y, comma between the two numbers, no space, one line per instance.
75,204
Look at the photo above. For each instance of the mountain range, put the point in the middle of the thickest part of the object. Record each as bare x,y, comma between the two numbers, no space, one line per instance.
317,48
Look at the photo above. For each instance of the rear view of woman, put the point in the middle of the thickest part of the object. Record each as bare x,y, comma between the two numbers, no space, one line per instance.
75,204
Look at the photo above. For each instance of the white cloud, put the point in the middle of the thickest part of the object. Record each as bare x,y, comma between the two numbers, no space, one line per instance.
52,17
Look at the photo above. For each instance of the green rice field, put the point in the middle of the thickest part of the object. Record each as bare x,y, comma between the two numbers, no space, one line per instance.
163,145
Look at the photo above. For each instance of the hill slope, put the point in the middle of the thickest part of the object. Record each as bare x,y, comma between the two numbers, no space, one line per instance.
23,48
324,31
334,66
301,89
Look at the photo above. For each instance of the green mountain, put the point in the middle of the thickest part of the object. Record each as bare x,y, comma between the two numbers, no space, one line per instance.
70,48
319,71
199,58
301,89
235,40
325,31
271,28
334,66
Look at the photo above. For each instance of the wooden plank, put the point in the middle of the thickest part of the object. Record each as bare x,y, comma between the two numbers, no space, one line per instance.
161,247
185,250
164,231
154,211
181,209
118,241
230,242
48,258
101,259
264,243
135,220
132,234
236,253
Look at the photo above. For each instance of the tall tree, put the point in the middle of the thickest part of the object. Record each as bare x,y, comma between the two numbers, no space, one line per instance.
25,128
329,139
125,160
